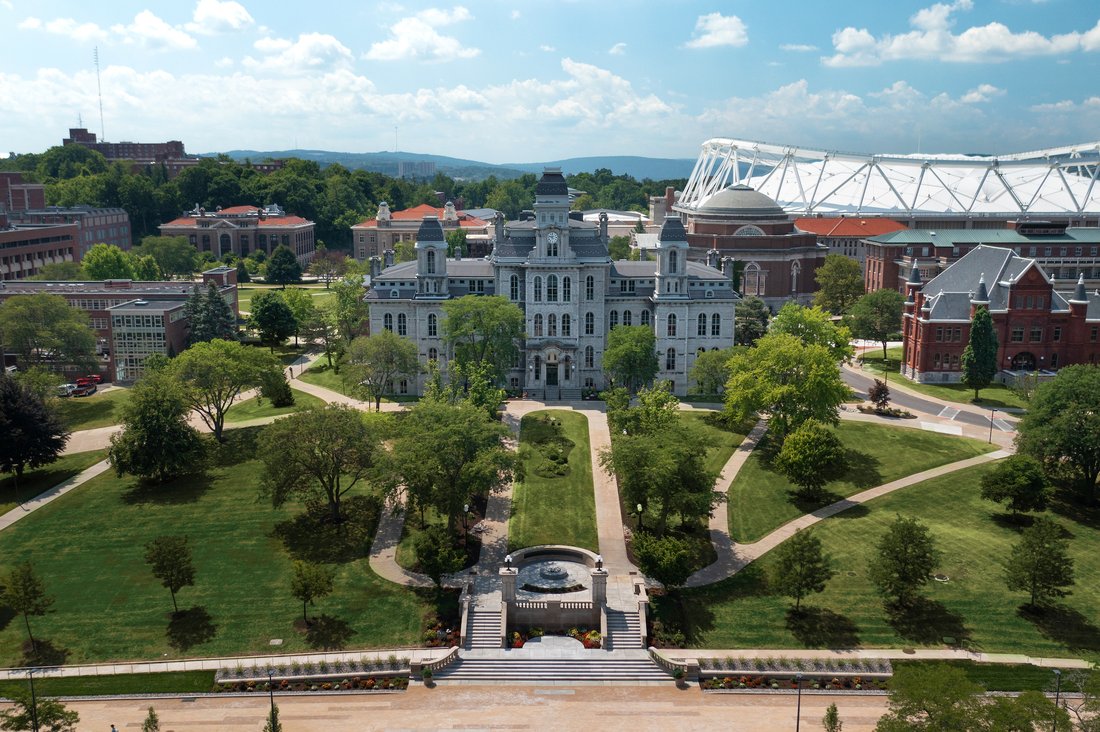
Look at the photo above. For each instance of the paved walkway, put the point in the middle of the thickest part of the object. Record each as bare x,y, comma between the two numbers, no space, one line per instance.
893,654
52,494
609,516
383,552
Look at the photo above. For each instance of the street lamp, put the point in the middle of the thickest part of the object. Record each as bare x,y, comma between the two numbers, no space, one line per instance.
992,411
465,528
271,690
798,711
1057,697
34,703
639,517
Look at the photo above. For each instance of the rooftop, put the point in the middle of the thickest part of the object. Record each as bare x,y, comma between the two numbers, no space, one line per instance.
848,226
417,213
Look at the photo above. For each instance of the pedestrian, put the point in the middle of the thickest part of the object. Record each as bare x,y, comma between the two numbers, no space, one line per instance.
114,729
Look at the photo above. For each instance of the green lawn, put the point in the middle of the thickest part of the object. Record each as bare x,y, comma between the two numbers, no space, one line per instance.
42,479
99,410
726,439
254,408
246,292
322,375
973,607
554,509
997,676
88,548
760,499
993,396
169,682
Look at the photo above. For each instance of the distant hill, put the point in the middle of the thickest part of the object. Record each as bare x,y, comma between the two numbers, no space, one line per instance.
387,162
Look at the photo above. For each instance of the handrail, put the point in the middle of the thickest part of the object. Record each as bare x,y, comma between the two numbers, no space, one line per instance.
442,661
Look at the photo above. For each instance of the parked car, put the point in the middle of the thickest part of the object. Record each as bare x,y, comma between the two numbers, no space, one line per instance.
82,391
96,378
84,381
66,390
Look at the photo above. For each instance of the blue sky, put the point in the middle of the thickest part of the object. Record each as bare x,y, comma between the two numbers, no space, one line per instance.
528,80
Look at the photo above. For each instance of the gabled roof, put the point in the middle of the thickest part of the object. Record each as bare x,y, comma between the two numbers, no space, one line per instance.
848,226
949,294
416,213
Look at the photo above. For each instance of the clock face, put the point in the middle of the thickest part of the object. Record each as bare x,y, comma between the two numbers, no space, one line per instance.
552,237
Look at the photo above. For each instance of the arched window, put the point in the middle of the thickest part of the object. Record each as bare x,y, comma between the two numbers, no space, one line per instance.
433,354
566,289
716,325
589,324
702,324
431,261
538,325
670,359
433,323
589,288
538,289
671,324
645,317
552,325
552,288
613,320
513,287
224,243
387,321
402,324
701,351
566,326
752,281
589,357
796,270
628,318
673,261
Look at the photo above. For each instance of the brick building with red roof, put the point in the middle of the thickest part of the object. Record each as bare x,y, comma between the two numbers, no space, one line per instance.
244,229
845,235
382,233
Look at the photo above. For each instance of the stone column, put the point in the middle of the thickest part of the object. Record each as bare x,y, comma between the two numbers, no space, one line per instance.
508,579
599,586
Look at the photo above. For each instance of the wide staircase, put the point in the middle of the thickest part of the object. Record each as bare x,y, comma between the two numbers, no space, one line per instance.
594,667
483,629
624,630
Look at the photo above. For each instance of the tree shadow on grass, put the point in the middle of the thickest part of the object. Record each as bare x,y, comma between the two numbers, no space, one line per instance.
928,622
311,537
185,489
190,628
327,633
820,627
1012,521
239,446
810,501
1064,625
6,616
44,653
1069,505
863,469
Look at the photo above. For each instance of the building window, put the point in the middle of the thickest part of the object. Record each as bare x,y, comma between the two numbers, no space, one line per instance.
958,334
716,325
538,289
936,361
538,368
1039,302
513,287
645,317
613,319
552,248
402,324
552,325
1057,334
552,288
589,288
433,354
670,359
1036,334
589,357
566,289
387,321
1094,333
673,261
1054,360
566,326
431,261
432,325
939,334
1030,301
538,325
590,325
752,281
702,331
628,318
671,325
1018,334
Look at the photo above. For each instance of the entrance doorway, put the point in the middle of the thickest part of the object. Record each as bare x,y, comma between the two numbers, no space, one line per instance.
1023,361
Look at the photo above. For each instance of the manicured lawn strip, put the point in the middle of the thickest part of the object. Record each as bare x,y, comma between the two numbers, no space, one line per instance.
759,499
88,548
994,395
38,481
727,439
254,409
169,682
245,293
974,607
997,676
99,410
558,510
322,375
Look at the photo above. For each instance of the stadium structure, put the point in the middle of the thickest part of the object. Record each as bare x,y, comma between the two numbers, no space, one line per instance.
921,190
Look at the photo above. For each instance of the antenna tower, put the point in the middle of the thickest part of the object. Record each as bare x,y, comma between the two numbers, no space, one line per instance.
99,89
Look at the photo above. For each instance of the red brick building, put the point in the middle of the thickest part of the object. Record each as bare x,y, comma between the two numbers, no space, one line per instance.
16,195
1037,327
243,229
137,151
25,249
372,237
847,235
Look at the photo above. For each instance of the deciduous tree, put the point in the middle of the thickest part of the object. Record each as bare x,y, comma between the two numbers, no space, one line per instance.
41,713
311,582
811,456
321,329
43,328
750,321
350,309
24,592
839,284
710,372
327,266
932,698
31,433
904,560
272,318
801,567
301,306
483,329
630,357
1040,564
152,722
436,553
107,262
877,316
814,327
282,267
170,559
1019,482
374,363
667,559
979,358
174,254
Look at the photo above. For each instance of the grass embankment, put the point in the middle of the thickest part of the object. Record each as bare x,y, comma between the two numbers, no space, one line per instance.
555,503
255,409
42,479
169,682
973,609
88,547
102,409
993,396
997,676
761,500
322,375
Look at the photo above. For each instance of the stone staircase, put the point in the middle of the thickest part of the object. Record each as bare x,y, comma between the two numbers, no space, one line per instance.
483,629
624,630
600,667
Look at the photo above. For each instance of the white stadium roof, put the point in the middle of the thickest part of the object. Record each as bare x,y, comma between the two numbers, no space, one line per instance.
1055,181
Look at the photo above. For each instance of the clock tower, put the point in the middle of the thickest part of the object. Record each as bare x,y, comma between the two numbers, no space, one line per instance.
552,213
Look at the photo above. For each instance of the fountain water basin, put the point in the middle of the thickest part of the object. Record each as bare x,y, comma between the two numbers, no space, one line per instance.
553,576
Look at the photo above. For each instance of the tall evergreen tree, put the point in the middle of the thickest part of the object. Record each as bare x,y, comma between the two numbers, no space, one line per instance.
283,267
979,359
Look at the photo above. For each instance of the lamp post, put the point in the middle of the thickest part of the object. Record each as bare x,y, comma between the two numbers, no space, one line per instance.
798,709
639,517
1057,697
271,690
465,528
34,702
992,411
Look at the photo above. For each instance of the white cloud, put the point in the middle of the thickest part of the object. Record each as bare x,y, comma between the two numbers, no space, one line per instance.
547,48
417,37
982,93
931,38
310,54
1067,105
7,4
798,47
515,15
216,16
81,32
618,49
150,31
715,29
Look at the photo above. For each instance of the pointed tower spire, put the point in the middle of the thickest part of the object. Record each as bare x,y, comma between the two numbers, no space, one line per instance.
982,296
914,275
1079,294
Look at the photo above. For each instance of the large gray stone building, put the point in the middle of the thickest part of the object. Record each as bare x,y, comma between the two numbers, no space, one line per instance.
557,269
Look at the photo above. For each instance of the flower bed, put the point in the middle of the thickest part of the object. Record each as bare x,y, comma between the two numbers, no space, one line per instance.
789,666
888,412
333,683
809,683
322,669
589,638
439,636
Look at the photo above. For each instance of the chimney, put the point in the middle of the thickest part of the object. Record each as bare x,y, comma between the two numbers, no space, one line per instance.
713,259
727,268
603,226
375,267
387,257
498,228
